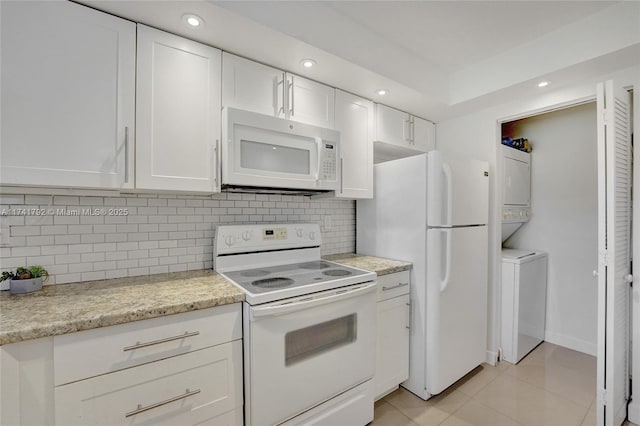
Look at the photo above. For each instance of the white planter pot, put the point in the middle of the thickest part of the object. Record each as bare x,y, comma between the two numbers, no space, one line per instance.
4,285
25,286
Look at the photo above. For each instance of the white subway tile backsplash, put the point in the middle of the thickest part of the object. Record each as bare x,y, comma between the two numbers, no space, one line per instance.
89,237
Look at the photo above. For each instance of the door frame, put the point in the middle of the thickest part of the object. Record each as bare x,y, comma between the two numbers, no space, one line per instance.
495,317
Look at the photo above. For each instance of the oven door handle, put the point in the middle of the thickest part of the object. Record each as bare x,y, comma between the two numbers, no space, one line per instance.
306,303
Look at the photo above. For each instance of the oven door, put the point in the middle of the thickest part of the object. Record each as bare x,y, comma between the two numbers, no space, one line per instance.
271,152
302,352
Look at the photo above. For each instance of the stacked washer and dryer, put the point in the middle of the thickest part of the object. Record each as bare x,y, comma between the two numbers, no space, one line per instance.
524,271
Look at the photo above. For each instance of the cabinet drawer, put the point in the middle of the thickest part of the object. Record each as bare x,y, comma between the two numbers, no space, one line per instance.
195,388
393,285
89,353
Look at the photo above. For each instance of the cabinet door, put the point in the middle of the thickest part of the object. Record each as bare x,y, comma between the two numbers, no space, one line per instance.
392,126
190,389
310,102
423,134
354,121
392,346
252,86
177,112
68,93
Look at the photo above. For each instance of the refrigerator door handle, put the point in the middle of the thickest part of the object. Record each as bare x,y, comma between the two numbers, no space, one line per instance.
446,170
447,252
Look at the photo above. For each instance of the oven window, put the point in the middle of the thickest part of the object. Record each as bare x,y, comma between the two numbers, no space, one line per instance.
318,338
274,158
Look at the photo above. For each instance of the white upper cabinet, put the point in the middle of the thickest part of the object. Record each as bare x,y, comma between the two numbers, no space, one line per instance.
251,86
424,134
310,102
354,121
67,96
408,133
392,126
177,112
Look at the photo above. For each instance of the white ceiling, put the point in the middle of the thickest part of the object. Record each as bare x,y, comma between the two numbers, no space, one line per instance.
438,58
448,35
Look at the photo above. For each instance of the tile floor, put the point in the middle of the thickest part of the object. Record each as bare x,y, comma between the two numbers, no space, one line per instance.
552,386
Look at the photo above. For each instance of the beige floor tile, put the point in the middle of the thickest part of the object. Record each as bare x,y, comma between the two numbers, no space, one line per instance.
431,412
480,377
386,414
575,385
550,354
528,404
590,417
474,413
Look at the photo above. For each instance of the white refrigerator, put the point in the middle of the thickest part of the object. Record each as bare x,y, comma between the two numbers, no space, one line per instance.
432,210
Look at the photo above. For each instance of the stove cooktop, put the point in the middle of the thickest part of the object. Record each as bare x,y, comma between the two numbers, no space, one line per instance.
295,279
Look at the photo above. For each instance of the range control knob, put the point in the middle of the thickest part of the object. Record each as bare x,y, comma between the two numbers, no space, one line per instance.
229,240
312,235
246,235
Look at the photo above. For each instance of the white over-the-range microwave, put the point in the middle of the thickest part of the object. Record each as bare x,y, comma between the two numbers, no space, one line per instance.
264,154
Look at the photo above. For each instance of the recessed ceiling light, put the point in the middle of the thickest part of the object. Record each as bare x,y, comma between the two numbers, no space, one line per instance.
543,84
308,63
192,20
382,92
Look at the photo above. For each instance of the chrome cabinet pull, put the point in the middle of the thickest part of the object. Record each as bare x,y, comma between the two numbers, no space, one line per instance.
142,409
126,154
341,176
394,286
284,87
407,127
157,342
412,132
292,106
408,326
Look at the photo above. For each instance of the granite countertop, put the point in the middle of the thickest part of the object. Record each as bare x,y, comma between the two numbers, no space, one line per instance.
378,265
66,308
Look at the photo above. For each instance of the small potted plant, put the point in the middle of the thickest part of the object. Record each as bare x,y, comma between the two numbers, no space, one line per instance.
25,280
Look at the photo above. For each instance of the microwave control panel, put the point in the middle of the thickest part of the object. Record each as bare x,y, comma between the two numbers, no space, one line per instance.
328,161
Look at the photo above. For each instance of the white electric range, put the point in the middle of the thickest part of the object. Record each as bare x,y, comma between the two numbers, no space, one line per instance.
309,326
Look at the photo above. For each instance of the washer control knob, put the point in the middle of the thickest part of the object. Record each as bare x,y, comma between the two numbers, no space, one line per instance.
229,240
299,232
312,235
246,235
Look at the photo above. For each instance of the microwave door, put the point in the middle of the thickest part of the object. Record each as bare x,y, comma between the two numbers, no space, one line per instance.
272,158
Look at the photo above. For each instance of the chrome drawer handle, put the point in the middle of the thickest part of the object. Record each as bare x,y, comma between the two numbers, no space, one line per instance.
394,286
157,342
142,409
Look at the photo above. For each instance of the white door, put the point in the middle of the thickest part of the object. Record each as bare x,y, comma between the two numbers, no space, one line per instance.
177,113
310,102
424,134
614,223
354,121
251,86
456,299
68,96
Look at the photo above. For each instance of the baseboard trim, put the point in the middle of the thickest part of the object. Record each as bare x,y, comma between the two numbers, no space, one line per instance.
491,358
571,343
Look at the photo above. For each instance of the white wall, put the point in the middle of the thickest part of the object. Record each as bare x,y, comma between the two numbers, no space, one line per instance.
478,135
564,222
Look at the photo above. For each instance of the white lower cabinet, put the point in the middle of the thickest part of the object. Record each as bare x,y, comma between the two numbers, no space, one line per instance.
392,347
182,369
189,389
